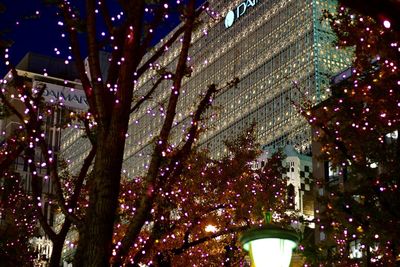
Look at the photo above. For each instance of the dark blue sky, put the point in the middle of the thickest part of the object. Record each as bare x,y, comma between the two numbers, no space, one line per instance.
39,32
40,35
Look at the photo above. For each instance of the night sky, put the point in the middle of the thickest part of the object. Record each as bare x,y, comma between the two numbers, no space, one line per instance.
39,32
30,32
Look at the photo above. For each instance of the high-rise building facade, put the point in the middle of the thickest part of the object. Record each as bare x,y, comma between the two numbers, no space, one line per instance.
281,51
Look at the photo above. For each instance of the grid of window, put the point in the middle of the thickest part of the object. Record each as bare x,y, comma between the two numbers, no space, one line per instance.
74,147
272,46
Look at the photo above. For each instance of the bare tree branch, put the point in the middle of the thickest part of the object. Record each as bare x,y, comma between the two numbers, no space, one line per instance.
100,94
147,96
148,197
167,44
75,49
81,177
19,115
186,246
37,194
106,17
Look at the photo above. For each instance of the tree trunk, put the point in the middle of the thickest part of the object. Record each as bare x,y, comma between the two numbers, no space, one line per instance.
55,259
58,243
95,242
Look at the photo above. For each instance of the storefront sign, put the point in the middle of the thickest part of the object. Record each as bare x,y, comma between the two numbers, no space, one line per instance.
65,96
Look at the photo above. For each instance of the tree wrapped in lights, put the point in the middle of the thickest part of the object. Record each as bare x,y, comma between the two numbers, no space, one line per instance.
130,38
200,212
18,222
358,130
29,143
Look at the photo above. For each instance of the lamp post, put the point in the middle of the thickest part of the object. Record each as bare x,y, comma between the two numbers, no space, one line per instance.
270,245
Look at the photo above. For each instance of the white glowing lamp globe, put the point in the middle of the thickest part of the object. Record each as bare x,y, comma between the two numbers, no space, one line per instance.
270,246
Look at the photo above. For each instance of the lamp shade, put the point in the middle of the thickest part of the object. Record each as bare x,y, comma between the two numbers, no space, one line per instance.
270,246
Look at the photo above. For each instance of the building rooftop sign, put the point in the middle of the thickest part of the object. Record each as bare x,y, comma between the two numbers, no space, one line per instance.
239,11
63,96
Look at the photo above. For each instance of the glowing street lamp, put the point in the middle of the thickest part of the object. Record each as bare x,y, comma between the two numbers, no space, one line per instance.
270,246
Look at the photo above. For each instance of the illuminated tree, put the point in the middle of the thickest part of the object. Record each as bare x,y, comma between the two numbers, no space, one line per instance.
358,130
25,142
199,214
18,223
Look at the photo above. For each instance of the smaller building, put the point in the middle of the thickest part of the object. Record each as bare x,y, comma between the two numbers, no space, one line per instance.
300,183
